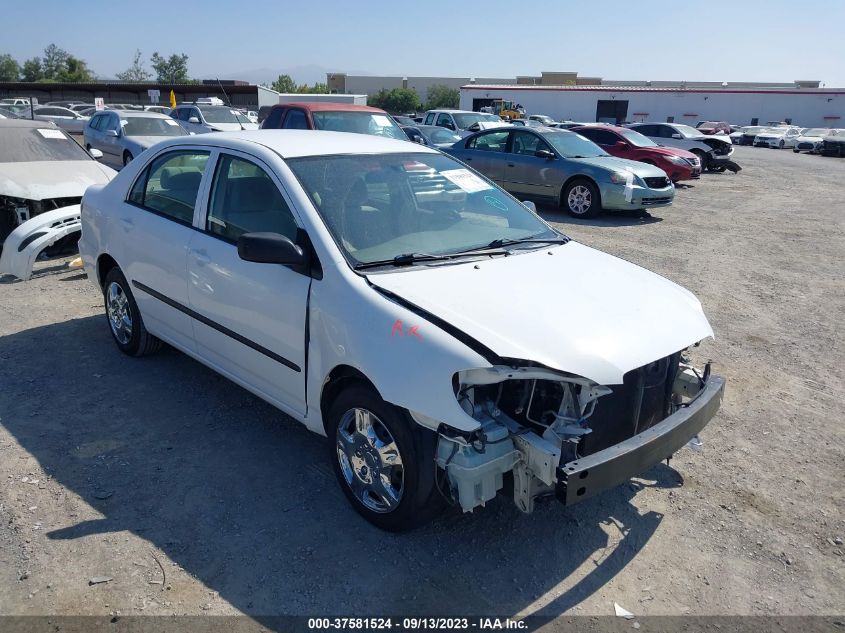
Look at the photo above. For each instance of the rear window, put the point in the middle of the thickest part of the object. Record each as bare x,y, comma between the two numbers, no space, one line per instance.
27,145
358,122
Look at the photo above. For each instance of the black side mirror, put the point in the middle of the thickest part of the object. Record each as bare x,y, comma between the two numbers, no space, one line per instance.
544,153
270,248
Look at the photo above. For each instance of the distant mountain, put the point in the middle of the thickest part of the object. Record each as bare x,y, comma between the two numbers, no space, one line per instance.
307,74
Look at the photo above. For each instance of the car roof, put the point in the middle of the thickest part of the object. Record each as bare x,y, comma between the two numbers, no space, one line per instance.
300,143
26,123
602,126
330,106
145,114
452,111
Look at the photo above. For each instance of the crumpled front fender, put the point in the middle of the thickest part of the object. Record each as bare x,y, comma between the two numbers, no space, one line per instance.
25,243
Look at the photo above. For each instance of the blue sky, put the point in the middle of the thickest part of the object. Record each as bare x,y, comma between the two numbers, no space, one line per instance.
750,40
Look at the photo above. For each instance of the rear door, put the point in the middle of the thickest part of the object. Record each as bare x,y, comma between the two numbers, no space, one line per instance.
156,226
526,174
486,153
110,145
250,319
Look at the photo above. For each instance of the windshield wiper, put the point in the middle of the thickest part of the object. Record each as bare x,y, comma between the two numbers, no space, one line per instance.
506,241
409,259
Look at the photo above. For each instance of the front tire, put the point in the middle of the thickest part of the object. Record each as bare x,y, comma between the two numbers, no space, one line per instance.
383,462
581,199
124,318
127,158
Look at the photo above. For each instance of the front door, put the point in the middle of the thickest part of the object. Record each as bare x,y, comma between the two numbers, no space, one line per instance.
250,317
526,174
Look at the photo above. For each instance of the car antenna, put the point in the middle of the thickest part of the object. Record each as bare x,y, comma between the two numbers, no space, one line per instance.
228,101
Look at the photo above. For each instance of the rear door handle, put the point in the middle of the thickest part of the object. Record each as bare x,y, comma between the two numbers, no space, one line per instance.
468,159
510,165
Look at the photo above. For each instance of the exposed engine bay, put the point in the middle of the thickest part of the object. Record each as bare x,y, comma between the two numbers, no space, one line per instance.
535,421
16,211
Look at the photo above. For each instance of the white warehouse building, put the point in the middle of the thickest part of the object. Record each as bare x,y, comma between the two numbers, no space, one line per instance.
804,106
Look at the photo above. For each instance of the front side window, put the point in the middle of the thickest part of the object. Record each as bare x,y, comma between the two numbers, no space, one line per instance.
429,118
444,120
527,144
295,120
490,142
381,206
169,186
244,199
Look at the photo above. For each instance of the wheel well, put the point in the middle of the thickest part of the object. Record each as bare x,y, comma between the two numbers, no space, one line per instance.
338,379
104,264
572,179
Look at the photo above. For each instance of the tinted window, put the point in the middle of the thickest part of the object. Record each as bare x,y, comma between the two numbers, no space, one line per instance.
273,119
244,199
490,142
295,120
429,119
648,130
526,143
96,122
602,137
444,120
170,184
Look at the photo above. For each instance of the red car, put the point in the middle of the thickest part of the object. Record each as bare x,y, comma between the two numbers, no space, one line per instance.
714,127
337,117
621,142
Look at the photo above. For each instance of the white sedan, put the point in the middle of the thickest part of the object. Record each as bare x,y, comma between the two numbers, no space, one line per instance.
65,118
777,137
390,298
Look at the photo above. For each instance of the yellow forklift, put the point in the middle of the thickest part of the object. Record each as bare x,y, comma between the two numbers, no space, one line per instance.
507,109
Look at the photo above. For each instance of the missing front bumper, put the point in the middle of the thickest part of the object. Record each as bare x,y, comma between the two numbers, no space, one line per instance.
582,478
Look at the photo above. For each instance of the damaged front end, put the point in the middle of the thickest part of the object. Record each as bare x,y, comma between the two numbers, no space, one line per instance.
50,232
565,435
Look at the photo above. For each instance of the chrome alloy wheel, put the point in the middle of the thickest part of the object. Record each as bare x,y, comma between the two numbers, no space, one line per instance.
579,199
370,460
120,318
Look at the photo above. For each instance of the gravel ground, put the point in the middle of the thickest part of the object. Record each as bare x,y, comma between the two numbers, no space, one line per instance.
194,497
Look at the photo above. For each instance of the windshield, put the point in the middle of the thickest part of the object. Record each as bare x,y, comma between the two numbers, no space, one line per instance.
378,207
636,139
571,145
151,126
816,131
358,122
26,145
222,114
686,130
464,120
440,135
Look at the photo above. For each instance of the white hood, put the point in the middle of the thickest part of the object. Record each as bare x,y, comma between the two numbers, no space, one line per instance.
578,310
233,127
52,179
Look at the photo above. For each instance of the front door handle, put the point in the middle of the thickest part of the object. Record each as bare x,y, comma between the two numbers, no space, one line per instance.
511,165
201,257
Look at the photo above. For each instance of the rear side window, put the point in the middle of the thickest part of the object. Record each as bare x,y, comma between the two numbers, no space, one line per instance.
295,120
490,142
274,118
244,199
169,186
600,137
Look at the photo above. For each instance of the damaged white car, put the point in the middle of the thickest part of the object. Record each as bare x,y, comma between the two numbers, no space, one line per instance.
440,333
43,174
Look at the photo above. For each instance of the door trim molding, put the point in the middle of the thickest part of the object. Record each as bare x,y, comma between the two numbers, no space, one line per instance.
216,326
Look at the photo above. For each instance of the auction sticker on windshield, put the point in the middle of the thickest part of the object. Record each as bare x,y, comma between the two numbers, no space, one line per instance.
47,133
382,120
170,122
466,180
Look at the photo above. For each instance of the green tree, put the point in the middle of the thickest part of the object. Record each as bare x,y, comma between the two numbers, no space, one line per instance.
136,72
10,70
54,62
75,70
32,70
396,100
317,88
284,84
441,96
170,70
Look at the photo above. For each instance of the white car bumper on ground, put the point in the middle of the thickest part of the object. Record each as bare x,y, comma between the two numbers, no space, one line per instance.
27,241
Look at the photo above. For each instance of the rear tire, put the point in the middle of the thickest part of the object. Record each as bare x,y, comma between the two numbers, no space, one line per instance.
124,318
383,461
581,199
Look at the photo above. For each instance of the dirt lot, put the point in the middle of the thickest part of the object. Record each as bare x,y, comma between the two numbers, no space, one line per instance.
195,497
